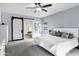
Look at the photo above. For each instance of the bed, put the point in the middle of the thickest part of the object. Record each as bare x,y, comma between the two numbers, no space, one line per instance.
57,45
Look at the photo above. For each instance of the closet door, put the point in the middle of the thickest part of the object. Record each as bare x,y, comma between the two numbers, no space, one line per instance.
17,28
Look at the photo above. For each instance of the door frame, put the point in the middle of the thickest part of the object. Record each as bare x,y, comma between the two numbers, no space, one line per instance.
12,18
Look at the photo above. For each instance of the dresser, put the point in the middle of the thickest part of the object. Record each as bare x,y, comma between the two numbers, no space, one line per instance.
3,38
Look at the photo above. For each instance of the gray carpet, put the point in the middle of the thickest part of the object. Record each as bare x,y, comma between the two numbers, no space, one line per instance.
73,52
25,49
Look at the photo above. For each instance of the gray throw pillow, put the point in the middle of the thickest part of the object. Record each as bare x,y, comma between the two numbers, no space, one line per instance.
65,35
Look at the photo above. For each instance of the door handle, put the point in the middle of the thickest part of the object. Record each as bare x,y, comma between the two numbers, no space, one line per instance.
21,31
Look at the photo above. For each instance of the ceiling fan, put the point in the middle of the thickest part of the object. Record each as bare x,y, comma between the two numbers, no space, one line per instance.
39,7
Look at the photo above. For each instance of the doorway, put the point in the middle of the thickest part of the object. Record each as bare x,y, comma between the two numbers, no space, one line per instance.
28,25
17,28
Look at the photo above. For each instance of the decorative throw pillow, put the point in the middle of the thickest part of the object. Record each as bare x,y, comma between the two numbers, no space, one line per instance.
70,36
51,32
59,34
65,35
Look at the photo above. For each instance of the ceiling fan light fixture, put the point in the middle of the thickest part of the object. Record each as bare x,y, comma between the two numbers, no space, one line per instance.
38,9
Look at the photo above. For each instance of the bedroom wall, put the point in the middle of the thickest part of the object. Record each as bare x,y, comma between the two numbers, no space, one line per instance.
67,18
6,18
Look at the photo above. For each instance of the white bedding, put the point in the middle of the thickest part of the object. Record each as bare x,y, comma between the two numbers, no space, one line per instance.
62,48
56,45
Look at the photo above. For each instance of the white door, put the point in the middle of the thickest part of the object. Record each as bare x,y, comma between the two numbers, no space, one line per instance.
17,29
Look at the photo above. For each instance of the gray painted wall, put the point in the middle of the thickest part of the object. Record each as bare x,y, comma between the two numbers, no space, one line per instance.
6,18
67,18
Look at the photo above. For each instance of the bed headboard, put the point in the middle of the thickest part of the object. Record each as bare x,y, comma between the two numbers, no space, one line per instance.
68,30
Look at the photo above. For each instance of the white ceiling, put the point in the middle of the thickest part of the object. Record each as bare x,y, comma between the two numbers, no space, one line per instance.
19,8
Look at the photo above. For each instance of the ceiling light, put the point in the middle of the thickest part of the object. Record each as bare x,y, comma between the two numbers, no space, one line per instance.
38,9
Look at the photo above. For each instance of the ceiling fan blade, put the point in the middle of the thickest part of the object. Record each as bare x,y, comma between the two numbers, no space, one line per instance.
44,10
48,5
30,7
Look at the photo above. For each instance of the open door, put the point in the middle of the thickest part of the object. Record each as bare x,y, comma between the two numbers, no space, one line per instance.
17,28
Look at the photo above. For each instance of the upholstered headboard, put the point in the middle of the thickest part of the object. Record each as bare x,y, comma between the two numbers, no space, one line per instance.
68,30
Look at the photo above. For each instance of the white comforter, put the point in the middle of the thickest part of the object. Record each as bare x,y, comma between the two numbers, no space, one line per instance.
56,45
62,48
